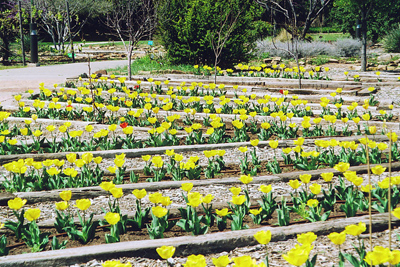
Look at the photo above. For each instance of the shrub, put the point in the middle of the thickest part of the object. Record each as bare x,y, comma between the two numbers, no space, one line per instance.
391,42
341,48
347,48
186,32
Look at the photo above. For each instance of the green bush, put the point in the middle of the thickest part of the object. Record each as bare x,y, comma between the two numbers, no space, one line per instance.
391,42
186,32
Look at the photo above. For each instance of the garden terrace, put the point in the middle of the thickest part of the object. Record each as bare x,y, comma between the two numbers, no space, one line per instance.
296,157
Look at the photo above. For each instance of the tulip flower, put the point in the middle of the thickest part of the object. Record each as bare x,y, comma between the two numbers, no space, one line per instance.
305,178
112,218
16,203
159,211
221,261
306,238
337,238
166,252
327,176
263,237
298,255
32,214
83,204
139,193
62,205
355,229
187,187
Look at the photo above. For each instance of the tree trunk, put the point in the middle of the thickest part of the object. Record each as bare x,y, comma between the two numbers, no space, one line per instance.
215,69
296,55
5,51
364,39
129,63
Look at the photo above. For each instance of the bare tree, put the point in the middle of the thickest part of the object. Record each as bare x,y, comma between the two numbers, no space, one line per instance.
53,18
286,13
221,35
131,21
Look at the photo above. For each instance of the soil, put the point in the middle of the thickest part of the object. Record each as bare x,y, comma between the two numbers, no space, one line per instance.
135,235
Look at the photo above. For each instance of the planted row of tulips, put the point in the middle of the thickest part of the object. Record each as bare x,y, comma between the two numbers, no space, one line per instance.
199,216
27,175
164,133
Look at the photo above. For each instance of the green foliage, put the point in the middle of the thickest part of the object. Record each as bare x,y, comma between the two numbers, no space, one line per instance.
391,42
8,29
187,32
381,18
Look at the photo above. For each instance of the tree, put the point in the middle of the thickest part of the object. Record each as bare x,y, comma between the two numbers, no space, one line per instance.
132,20
52,17
189,27
8,29
377,18
286,14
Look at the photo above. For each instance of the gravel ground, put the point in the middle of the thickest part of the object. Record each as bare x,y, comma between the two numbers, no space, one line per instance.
326,251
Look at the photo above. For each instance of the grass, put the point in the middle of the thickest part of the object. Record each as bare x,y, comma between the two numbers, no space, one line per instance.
329,37
11,67
152,65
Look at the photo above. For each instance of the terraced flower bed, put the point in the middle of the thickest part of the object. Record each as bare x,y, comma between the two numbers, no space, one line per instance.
137,165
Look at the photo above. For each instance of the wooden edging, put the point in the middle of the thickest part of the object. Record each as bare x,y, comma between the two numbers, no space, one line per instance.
186,245
96,191
137,152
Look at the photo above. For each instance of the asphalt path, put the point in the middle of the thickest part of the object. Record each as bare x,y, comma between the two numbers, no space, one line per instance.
15,81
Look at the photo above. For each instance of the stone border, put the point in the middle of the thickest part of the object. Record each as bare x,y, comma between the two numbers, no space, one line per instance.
132,153
186,245
96,191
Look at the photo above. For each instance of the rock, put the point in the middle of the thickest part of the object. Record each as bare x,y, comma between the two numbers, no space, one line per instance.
358,68
385,57
100,73
302,63
267,60
332,60
381,67
276,58
372,68
391,68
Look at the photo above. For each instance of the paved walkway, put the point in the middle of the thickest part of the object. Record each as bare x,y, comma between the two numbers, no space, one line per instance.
14,81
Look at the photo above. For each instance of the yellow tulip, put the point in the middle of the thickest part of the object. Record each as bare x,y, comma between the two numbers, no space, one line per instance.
166,252
244,261
139,193
342,166
187,186
238,200
305,178
159,211
243,149
157,161
265,188
62,205
337,238
254,142
263,237
235,190
246,179
298,255
355,229
312,203
116,192
16,203
196,261
306,238
327,176
208,198
155,197
396,212
221,261
378,170
83,204
107,186
223,212
294,184
66,195
32,214
315,189
273,144
112,218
